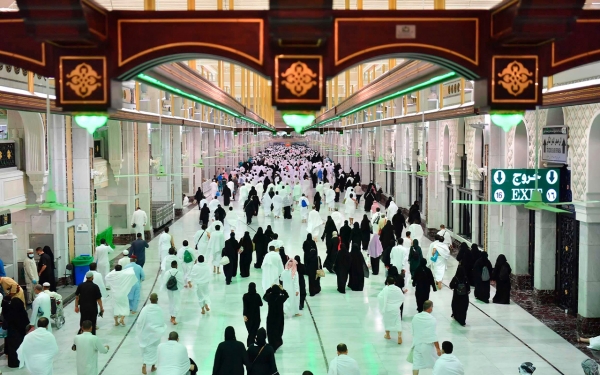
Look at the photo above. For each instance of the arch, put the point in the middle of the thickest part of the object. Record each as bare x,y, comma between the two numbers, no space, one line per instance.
35,146
593,172
555,116
520,144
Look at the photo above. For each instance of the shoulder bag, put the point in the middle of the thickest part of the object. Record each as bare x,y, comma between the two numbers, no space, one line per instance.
320,271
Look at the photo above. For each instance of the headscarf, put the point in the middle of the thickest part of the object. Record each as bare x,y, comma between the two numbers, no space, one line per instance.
293,266
246,241
500,261
229,333
375,249
252,288
415,244
461,274
365,224
261,337
269,232
590,367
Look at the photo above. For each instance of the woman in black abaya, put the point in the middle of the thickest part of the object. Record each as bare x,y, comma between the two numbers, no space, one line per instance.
311,262
422,281
231,356
317,201
356,236
230,250
15,323
387,234
48,251
261,241
252,304
460,297
357,269
246,255
482,286
256,203
262,356
329,229
342,268
465,259
501,275
301,269
226,195
399,223
365,229
205,214
275,297
270,234
333,246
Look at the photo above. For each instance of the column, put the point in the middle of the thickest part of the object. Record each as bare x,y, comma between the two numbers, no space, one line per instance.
475,214
210,171
144,194
177,168
589,272
545,256
82,184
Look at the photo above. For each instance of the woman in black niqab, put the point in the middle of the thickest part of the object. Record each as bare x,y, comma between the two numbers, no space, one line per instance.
357,269
365,230
342,268
246,255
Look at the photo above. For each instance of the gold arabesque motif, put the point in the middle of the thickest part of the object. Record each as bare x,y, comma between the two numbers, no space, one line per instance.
299,78
515,78
84,80
8,154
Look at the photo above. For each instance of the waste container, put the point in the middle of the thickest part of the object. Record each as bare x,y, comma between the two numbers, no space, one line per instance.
81,265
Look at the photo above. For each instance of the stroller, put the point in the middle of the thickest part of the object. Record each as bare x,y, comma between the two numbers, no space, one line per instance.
57,313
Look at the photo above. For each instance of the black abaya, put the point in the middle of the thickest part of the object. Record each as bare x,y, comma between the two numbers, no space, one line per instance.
501,275
231,251
205,214
317,201
260,246
357,273
365,230
422,281
301,282
275,297
252,304
332,250
15,323
342,268
465,259
246,256
346,234
226,195
460,304
357,236
369,198
311,262
482,288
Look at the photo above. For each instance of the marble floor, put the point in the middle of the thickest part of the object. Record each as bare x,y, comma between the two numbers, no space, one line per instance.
496,340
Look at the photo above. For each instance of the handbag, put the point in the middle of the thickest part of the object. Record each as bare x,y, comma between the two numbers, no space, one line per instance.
320,271
224,261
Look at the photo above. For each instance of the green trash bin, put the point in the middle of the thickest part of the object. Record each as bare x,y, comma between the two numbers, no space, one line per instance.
81,265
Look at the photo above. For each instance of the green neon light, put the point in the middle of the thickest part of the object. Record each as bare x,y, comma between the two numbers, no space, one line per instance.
506,121
91,121
430,82
174,90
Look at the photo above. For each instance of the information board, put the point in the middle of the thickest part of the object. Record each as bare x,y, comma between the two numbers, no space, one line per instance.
555,144
516,185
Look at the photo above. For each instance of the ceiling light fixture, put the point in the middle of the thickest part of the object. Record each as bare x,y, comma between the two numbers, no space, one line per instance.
91,121
506,119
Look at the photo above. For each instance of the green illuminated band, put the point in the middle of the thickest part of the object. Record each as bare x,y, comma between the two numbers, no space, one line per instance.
90,121
174,90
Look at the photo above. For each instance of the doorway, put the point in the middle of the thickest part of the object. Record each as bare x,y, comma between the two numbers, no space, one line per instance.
567,262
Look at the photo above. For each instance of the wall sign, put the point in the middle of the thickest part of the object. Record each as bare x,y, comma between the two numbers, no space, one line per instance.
555,144
516,185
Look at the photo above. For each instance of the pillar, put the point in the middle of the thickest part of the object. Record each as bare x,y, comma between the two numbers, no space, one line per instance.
588,315
475,214
82,183
545,256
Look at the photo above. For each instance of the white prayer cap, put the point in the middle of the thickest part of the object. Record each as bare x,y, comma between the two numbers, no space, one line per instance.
89,274
125,252
46,284
29,251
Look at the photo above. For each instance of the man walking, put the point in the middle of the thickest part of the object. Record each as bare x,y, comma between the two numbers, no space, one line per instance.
425,347
38,350
150,328
101,258
173,282
41,307
87,300
139,220
88,346
134,293
31,275
343,364
138,248
448,364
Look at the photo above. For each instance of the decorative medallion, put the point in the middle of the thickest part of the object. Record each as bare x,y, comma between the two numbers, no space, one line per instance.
84,80
515,78
299,78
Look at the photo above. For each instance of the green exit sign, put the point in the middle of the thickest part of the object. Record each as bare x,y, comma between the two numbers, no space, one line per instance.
516,185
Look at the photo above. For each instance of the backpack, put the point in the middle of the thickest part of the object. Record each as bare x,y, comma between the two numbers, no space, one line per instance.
172,282
461,289
485,274
377,219
187,256
504,273
304,204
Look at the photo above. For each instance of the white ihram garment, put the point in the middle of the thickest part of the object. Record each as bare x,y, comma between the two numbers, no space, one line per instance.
271,267
120,283
343,365
174,295
291,285
173,359
314,224
164,244
390,299
424,335
448,364
201,277
440,265
41,301
37,352
150,328
88,346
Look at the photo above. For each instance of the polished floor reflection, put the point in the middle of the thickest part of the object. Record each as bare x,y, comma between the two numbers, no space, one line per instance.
496,340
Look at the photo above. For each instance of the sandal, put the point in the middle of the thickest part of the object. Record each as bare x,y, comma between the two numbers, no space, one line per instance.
144,370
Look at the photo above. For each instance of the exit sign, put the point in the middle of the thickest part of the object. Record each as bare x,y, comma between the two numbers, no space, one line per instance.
516,185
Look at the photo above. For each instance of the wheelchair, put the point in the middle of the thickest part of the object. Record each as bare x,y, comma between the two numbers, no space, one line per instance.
57,313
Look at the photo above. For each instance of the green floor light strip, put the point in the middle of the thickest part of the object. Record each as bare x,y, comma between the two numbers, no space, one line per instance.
174,90
430,82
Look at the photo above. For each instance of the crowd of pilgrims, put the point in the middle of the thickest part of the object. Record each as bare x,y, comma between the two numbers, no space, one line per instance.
281,180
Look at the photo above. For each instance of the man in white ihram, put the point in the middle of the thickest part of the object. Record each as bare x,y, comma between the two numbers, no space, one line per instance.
139,220
343,364
101,258
120,282
447,236
150,327
399,259
448,364
315,223
41,304
165,242
271,267
425,348
173,357
173,289
38,350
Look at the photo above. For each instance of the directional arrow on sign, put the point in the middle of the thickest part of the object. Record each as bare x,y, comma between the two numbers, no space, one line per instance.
499,177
